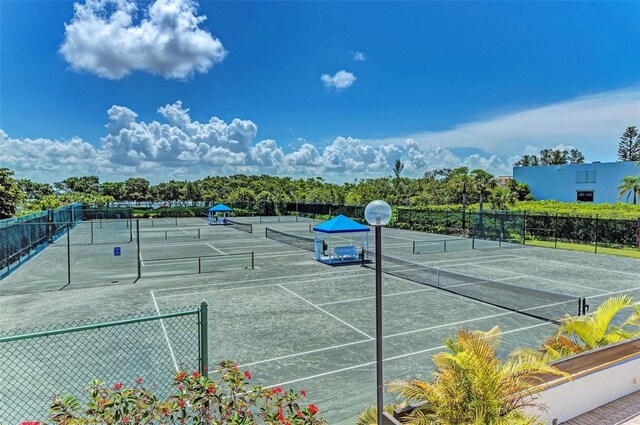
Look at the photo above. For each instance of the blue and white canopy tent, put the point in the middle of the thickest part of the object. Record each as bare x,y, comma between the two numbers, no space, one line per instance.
338,235
218,213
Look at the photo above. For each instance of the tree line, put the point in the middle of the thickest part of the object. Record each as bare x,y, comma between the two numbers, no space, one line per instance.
443,186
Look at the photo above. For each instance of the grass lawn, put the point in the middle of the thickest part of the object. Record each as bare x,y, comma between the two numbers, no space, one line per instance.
623,252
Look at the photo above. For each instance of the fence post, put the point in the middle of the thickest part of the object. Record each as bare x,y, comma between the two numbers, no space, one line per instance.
252,260
199,265
204,338
524,228
198,233
130,225
596,247
414,246
138,249
165,235
69,255
91,232
555,232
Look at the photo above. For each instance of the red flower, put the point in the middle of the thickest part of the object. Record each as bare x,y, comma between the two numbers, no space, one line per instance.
196,375
205,368
181,376
210,389
304,393
125,419
139,381
30,423
313,409
180,387
181,403
300,414
235,365
117,386
280,418
247,374
277,390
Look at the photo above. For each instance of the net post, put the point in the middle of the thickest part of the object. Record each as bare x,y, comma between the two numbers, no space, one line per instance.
165,235
91,232
444,245
413,246
473,241
198,233
199,265
265,232
438,277
176,221
253,259
203,327
130,226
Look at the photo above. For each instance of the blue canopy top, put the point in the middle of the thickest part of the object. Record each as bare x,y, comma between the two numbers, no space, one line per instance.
340,224
220,208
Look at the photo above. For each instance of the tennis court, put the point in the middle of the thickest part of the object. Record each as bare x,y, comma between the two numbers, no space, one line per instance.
297,323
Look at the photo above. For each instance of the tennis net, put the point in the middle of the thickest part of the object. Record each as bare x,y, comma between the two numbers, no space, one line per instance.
170,235
303,242
537,303
245,227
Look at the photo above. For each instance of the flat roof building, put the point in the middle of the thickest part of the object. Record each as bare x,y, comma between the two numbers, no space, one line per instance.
595,182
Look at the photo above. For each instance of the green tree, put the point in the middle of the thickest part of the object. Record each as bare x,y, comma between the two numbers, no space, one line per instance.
115,190
397,168
527,161
34,190
136,189
472,385
576,157
10,194
629,145
84,184
483,182
631,186
501,198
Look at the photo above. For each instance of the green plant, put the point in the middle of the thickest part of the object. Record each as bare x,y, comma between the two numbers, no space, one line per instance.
578,334
224,398
471,385
370,415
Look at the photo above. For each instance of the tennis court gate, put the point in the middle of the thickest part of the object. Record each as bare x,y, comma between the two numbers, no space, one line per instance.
66,358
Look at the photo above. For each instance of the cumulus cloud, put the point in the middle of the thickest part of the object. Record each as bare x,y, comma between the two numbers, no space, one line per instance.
177,145
105,38
340,80
359,56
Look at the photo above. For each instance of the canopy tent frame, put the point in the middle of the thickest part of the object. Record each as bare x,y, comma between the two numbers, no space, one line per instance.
341,225
218,214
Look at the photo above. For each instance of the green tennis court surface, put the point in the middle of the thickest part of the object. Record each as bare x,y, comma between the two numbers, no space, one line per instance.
293,321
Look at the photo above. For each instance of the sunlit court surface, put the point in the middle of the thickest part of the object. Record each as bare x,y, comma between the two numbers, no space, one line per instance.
290,320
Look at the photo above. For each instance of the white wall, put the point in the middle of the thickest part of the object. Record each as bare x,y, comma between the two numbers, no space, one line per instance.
573,398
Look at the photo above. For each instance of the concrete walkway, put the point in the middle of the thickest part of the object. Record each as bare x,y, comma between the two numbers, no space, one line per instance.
625,410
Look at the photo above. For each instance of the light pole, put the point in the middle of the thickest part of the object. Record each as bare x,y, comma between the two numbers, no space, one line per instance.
378,214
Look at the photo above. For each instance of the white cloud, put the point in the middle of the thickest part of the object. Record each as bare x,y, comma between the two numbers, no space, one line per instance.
104,38
341,80
180,146
359,56
593,124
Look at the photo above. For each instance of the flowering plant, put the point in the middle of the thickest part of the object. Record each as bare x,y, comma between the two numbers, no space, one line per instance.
225,397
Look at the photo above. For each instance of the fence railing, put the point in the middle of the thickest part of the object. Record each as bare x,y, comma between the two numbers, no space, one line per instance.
63,359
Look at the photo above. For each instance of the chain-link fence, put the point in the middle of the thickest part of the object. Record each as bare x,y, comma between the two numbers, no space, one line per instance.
37,364
524,227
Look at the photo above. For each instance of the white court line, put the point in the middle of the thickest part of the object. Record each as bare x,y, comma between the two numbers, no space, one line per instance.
522,275
243,287
325,311
213,247
319,375
166,337
586,267
453,260
353,273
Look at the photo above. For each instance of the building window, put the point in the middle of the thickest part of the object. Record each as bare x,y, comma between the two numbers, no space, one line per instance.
585,196
585,176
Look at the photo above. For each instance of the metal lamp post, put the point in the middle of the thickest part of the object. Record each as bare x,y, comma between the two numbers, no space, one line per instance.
378,214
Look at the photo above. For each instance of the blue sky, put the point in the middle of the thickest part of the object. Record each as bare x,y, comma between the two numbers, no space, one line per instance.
433,84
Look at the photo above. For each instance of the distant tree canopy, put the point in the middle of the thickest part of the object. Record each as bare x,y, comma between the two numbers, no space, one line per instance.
629,145
10,194
551,157
436,187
